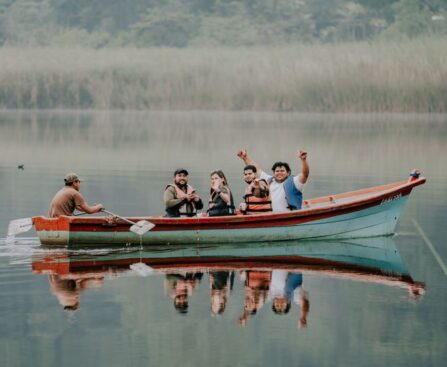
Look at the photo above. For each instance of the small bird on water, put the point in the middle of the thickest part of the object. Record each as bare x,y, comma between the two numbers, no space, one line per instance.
21,166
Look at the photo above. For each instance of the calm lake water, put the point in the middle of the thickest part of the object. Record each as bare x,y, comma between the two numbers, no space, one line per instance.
384,306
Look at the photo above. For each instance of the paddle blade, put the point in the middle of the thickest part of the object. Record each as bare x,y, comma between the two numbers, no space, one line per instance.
141,227
21,225
142,269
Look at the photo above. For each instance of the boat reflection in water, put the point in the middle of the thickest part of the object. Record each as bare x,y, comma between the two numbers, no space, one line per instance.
271,273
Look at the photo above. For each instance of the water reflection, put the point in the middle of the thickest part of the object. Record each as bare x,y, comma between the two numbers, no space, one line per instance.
270,275
257,286
68,290
180,286
221,285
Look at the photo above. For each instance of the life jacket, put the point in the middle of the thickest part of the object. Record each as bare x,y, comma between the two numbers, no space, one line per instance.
182,210
294,197
258,279
258,205
222,208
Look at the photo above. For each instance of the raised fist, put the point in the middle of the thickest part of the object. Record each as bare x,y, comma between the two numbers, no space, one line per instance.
242,153
302,155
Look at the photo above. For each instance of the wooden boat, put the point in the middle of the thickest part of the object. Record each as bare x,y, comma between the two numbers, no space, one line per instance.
369,212
374,260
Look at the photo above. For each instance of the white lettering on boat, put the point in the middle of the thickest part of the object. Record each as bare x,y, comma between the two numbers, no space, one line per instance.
391,198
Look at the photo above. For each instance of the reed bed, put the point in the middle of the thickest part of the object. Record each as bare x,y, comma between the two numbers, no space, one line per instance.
410,76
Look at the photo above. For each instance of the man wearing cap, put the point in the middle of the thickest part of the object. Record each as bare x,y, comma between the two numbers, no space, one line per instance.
69,198
180,198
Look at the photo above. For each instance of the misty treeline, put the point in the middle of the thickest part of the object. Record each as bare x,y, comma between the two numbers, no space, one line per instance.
183,23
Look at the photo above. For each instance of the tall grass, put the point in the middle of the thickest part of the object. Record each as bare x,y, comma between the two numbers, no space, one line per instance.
357,77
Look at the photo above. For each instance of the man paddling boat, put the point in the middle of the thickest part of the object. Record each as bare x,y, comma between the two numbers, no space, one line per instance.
69,198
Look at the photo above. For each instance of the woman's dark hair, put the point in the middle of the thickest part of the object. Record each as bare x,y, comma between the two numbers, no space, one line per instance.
281,164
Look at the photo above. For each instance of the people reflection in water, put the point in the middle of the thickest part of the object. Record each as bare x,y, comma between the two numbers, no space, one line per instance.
221,284
286,288
68,290
180,286
257,285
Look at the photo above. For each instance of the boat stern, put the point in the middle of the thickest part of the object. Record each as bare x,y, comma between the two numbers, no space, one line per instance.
52,231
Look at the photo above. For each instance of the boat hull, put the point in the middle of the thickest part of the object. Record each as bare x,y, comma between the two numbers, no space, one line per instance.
364,213
364,223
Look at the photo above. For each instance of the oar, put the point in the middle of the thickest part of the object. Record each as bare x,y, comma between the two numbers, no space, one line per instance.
141,269
78,214
140,227
22,225
17,226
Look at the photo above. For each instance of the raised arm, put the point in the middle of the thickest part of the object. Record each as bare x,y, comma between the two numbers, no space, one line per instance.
242,154
305,307
302,155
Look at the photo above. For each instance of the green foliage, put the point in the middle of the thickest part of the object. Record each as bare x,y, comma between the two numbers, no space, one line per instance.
412,19
171,27
235,30
26,22
182,23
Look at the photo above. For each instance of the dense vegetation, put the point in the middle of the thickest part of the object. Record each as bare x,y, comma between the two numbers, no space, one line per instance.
181,23
404,76
301,55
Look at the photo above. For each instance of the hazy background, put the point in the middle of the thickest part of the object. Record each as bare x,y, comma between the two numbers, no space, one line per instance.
275,55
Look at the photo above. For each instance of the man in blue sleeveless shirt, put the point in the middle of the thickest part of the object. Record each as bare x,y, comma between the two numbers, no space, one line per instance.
285,189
